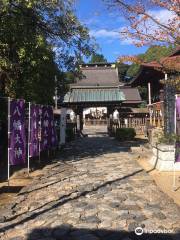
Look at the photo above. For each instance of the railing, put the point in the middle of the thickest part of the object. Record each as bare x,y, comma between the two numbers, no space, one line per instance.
88,122
138,123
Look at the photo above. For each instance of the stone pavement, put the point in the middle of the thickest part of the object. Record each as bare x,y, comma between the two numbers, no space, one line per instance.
96,190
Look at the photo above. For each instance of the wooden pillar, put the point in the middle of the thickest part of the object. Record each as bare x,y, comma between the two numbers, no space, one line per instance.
161,95
149,93
81,121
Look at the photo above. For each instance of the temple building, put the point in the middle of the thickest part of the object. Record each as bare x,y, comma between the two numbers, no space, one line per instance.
158,78
100,94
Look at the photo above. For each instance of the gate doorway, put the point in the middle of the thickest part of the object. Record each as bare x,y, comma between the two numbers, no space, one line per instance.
95,116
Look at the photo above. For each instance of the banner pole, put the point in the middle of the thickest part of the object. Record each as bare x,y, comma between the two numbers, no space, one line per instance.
9,112
175,131
29,134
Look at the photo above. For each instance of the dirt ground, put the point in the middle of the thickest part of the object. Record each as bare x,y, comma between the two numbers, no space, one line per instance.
165,180
17,181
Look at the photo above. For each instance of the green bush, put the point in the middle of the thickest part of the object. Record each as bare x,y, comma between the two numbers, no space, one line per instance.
169,139
123,134
69,134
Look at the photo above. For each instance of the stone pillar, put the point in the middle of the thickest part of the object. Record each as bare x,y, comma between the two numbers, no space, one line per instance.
169,109
79,120
109,119
78,123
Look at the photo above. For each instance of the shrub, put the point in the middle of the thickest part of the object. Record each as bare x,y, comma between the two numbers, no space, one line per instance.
125,134
169,139
69,134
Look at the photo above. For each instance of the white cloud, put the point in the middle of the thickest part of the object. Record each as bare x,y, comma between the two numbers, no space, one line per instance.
104,33
110,35
162,15
127,41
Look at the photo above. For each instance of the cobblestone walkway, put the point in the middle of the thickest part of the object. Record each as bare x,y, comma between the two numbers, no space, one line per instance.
97,192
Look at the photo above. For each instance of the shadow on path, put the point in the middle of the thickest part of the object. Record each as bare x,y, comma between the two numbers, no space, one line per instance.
96,146
61,201
67,232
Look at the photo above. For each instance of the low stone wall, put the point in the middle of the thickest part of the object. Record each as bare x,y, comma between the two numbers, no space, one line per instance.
164,158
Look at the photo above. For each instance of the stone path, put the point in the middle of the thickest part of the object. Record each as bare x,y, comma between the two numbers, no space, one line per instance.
96,191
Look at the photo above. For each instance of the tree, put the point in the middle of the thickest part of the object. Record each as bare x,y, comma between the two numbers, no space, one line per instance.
122,70
98,58
145,27
154,53
38,40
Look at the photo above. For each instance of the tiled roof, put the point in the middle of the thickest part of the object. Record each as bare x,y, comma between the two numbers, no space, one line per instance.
152,64
85,95
131,95
98,76
152,70
172,62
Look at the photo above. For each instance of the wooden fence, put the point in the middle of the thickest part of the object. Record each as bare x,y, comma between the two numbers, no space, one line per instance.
138,123
89,122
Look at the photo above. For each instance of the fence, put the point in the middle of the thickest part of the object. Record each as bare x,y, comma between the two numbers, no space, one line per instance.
138,123
156,119
89,122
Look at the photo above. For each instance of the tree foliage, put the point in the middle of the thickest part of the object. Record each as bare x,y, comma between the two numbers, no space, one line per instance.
38,40
122,71
145,26
154,53
97,58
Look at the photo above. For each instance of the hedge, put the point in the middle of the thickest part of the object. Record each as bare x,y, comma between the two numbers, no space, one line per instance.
69,134
125,134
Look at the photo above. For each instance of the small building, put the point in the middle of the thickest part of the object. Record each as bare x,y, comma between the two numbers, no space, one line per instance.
150,76
152,73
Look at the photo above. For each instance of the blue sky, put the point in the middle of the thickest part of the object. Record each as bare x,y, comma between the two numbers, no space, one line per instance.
104,25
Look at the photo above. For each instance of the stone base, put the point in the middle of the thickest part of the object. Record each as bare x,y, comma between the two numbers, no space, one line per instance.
164,158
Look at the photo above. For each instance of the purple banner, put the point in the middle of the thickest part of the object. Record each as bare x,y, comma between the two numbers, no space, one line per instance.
177,128
45,122
178,106
17,138
34,130
177,152
48,133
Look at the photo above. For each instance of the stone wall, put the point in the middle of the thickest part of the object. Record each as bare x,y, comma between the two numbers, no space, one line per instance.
163,155
164,158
